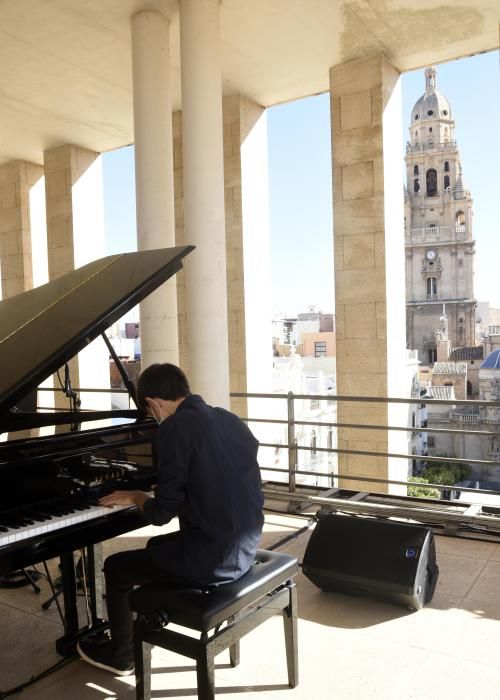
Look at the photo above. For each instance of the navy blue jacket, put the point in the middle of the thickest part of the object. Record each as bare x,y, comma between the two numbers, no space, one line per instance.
208,475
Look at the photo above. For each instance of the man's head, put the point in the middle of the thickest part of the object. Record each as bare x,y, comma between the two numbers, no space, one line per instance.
160,389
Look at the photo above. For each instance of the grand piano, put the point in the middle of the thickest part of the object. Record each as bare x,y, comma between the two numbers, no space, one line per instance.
50,484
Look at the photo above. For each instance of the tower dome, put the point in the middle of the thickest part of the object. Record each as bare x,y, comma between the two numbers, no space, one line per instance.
432,104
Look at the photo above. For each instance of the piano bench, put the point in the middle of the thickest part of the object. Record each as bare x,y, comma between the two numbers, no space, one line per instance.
266,589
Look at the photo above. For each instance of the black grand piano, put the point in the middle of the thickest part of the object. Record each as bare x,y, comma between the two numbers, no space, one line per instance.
50,484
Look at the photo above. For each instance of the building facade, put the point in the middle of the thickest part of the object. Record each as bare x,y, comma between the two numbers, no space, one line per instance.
439,243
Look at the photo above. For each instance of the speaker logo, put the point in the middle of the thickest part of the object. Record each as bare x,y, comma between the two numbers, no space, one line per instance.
411,553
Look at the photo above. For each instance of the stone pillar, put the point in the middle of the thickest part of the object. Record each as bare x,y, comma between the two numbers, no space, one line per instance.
204,199
75,236
248,275
369,264
154,177
17,179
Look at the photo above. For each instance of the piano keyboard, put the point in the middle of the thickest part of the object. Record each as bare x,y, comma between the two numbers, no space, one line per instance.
32,522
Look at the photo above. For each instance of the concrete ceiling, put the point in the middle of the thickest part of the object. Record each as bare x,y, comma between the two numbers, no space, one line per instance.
65,65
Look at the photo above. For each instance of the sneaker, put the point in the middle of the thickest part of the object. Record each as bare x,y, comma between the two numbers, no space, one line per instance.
99,652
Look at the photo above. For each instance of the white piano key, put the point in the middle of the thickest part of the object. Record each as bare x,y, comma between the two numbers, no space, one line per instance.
56,523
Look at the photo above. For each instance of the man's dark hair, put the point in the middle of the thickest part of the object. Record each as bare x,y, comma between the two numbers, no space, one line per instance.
161,381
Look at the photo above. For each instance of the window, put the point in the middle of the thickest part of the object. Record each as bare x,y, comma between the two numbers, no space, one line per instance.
459,221
416,185
431,441
320,349
431,182
415,169
431,287
461,329
446,166
446,182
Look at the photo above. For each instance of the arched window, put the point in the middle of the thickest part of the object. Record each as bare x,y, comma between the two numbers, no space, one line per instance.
431,183
446,166
415,169
416,185
459,222
461,329
431,287
446,182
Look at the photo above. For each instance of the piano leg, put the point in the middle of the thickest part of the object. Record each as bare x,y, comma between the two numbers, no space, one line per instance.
94,559
66,645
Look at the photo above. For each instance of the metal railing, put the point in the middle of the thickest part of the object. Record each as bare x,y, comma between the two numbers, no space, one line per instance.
454,515
289,488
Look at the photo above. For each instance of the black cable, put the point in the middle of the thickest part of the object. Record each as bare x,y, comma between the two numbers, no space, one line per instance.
292,535
19,688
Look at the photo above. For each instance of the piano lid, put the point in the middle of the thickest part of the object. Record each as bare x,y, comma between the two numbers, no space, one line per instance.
45,327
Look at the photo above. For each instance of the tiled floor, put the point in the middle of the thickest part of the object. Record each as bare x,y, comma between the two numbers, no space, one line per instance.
348,647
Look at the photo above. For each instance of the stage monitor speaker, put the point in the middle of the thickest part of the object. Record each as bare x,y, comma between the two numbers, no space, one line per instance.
383,559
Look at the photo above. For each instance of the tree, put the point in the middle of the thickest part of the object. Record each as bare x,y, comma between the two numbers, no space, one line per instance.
446,473
422,491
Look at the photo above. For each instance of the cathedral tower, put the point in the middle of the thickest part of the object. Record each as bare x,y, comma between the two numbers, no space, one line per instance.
438,231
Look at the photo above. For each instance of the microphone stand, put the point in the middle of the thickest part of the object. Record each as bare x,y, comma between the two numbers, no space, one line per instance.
73,397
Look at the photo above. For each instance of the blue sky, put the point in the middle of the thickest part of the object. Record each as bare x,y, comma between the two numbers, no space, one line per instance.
301,190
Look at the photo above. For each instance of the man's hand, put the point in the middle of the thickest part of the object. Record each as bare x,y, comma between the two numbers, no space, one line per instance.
124,498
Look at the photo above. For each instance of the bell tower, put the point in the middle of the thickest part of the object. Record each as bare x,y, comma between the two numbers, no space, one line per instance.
438,230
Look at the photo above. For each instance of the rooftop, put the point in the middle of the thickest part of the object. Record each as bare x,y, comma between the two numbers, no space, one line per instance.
472,353
444,393
349,647
492,361
449,368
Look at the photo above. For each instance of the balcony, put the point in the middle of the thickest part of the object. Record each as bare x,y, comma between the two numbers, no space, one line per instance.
443,146
436,234
349,647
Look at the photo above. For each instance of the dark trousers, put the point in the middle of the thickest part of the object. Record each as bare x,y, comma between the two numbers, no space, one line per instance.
122,572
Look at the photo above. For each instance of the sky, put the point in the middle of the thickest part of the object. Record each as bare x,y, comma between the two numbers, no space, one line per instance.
300,184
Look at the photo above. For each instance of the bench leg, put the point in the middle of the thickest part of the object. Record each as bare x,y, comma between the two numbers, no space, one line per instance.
205,675
142,654
290,628
234,649
234,654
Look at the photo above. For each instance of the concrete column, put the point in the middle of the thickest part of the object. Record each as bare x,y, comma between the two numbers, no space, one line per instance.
154,177
369,263
204,199
75,236
248,275
17,180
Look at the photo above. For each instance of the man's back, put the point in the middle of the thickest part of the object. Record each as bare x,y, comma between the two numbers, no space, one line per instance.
208,475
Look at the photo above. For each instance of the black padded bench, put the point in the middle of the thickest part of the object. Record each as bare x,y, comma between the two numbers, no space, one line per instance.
266,589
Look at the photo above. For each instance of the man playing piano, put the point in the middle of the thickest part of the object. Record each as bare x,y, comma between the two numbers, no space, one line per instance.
209,477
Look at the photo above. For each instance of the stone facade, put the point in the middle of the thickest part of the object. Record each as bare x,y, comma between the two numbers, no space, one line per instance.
369,276
438,230
16,180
